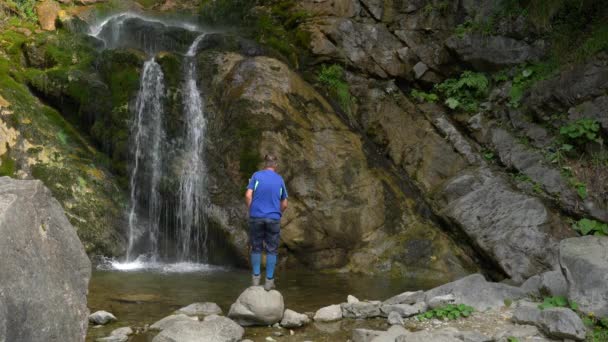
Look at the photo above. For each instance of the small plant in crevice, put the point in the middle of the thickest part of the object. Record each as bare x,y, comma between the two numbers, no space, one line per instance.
581,132
464,92
447,312
591,227
558,302
512,339
422,96
332,76
597,328
580,187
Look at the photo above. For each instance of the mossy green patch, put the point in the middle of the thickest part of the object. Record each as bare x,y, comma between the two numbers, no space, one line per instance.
7,165
249,157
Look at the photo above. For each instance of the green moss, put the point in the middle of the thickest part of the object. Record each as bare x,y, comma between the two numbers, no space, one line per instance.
7,165
249,156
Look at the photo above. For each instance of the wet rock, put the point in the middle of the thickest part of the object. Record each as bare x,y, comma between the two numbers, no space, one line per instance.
406,298
101,317
361,309
404,310
365,335
200,309
328,313
394,318
220,329
170,321
292,319
584,262
562,323
552,283
475,291
47,12
38,242
490,53
256,306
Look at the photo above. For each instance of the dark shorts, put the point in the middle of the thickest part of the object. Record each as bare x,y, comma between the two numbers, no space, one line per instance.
264,234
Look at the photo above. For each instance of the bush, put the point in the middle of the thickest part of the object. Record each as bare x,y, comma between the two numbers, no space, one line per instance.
465,92
591,227
447,312
582,131
332,77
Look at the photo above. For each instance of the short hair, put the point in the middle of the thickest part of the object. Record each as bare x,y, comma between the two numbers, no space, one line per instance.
270,160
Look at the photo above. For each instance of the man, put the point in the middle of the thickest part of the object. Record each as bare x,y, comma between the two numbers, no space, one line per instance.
266,199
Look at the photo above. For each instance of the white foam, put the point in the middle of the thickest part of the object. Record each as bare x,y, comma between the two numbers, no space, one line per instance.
95,29
143,264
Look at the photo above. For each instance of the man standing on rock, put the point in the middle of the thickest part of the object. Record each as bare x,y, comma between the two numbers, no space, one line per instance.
266,199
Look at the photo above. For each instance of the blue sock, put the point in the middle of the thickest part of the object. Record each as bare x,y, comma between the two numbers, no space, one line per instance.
256,261
271,261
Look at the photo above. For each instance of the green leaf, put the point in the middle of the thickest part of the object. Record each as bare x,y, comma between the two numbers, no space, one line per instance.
561,301
567,147
452,102
527,73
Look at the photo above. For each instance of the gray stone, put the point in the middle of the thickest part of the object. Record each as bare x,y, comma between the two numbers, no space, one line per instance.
562,323
526,315
256,306
365,335
406,298
443,335
552,283
361,309
404,310
395,318
101,317
490,53
419,70
474,336
171,320
221,329
328,313
352,299
438,301
200,309
594,109
517,331
45,271
126,331
475,291
116,338
292,319
584,262
392,334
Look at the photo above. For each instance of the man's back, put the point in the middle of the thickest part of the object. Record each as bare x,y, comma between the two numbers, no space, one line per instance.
268,192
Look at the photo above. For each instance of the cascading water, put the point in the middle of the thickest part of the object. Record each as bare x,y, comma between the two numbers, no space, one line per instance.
166,217
191,195
147,135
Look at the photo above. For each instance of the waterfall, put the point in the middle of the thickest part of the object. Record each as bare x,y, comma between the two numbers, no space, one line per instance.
147,135
192,199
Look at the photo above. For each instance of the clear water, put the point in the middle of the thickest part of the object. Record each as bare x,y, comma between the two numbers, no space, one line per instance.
144,292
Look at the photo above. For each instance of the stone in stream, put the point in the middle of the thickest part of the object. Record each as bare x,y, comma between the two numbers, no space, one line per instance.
404,310
367,309
328,314
126,331
45,271
394,318
171,320
200,309
352,299
101,317
292,319
365,335
118,338
256,306
220,329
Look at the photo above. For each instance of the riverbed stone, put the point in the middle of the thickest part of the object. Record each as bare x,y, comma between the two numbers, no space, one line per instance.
292,319
200,309
404,310
584,262
365,335
366,309
116,338
221,329
352,299
101,317
392,334
44,272
475,291
394,318
409,297
328,314
170,321
256,306
122,331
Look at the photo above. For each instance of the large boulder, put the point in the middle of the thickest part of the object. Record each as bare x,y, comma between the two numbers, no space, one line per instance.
493,52
256,306
584,262
169,321
475,291
45,270
219,329
200,309
560,323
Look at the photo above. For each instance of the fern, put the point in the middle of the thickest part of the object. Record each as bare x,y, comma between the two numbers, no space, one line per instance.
464,92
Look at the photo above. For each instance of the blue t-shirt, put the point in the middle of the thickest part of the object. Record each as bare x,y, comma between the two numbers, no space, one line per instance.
268,192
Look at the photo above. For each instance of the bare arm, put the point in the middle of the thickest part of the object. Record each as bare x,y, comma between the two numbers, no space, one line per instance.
248,198
283,205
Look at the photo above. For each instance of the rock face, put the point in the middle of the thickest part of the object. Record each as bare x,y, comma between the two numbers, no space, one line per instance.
45,271
47,12
265,107
220,329
256,306
475,291
584,262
